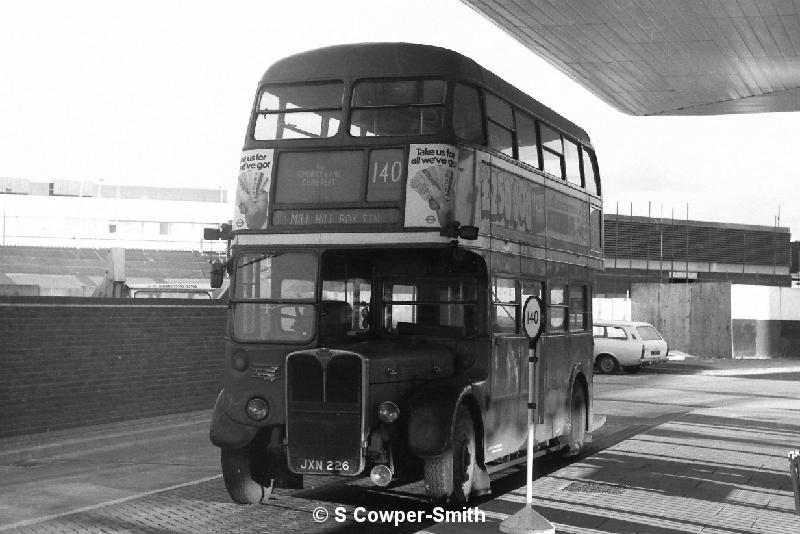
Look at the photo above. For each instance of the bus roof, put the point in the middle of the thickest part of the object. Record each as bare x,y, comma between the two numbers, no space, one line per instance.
407,59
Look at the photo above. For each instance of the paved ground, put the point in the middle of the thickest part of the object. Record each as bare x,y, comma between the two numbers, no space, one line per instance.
692,446
720,467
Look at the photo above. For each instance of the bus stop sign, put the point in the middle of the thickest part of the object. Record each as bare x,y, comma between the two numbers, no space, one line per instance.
533,318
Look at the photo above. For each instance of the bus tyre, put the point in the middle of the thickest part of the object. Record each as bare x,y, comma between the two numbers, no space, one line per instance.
449,477
577,420
238,477
607,364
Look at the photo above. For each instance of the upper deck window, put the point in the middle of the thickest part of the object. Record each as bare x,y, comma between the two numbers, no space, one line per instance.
397,107
467,117
500,125
590,171
299,111
572,163
552,151
527,144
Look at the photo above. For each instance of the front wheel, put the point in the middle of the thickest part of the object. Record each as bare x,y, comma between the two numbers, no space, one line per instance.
237,473
449,477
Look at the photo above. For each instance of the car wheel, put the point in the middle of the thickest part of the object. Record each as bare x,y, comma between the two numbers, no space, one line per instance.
607,364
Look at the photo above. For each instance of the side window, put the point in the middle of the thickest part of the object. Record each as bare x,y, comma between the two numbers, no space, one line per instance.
577,308
615,332
552,151
500,125
467,117
557,309
590,174
599,331
572,162
506,305
528,149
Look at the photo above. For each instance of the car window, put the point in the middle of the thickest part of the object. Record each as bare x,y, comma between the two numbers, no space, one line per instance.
648,333
616,332
598,331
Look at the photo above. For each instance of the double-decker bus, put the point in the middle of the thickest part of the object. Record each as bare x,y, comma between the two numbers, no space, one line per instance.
397,204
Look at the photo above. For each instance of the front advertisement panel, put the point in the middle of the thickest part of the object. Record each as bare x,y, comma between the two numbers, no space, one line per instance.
430,190
252,190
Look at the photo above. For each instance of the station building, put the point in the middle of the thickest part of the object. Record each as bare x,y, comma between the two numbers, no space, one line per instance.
656,250
56,235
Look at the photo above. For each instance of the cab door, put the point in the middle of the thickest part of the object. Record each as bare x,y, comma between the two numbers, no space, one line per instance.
506,419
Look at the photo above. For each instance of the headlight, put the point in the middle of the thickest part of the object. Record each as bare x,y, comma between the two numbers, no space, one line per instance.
388,412
257,409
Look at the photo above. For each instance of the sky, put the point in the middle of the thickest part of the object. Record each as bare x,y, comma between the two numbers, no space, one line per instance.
159,92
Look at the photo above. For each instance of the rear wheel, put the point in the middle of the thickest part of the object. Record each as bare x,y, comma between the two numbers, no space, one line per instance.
450,476
577,420
607,364
237,473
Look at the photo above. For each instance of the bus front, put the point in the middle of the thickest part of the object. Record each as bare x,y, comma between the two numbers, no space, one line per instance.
352,290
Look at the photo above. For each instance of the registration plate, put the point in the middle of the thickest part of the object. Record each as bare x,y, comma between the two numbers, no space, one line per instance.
324,466
655,352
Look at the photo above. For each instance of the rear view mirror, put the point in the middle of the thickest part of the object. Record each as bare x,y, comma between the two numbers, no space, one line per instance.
217,274
212,234
215,234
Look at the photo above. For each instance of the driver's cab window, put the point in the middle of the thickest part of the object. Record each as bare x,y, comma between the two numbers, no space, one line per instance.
273,297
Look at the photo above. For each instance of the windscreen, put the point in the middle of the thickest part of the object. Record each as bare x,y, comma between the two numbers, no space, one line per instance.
273,297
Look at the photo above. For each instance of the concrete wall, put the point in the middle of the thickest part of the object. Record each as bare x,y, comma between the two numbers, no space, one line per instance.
765,322
67,362
611,309
693,318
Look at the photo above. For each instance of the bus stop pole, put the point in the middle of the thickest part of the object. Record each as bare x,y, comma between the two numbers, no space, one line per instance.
528,520
794,472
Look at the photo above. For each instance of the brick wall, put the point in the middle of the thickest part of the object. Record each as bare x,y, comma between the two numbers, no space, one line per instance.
67,362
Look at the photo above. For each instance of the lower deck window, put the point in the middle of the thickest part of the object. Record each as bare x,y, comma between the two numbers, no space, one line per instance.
450,305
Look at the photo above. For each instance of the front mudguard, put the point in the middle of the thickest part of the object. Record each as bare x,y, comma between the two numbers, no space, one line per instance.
432,410
225,432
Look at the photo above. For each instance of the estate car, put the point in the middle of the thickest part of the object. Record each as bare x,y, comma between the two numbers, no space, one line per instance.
627,344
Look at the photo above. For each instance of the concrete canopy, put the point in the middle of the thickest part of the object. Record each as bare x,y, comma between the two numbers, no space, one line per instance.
666,57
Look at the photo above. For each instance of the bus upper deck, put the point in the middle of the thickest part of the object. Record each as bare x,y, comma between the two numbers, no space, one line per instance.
384,138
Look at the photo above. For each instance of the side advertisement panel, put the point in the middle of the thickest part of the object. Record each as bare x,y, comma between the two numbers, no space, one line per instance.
518,209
